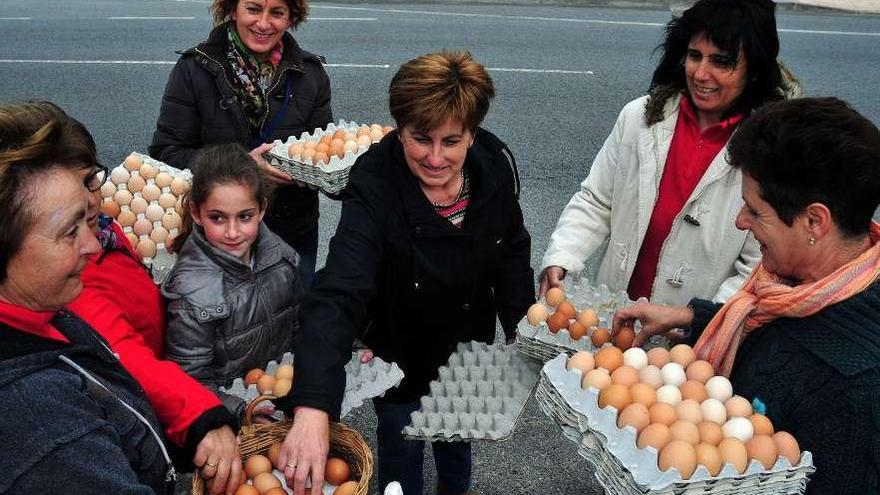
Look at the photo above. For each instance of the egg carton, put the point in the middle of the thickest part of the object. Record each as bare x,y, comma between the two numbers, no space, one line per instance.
329,177
162,262
538,342
624,467
362,381
480,394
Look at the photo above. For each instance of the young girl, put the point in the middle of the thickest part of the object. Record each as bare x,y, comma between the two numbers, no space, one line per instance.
233,295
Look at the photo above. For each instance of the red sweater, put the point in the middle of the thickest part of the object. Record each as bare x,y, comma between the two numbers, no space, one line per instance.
690,154
121,302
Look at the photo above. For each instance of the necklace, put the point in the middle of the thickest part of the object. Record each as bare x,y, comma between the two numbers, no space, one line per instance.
461,177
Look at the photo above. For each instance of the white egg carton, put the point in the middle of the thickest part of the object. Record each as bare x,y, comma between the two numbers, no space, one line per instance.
362,381
539,343
621,467
329,177
480,395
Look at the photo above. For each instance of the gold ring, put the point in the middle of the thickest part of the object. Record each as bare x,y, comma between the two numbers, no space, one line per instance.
210,465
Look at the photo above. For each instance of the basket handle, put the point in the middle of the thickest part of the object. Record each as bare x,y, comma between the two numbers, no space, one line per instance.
249,410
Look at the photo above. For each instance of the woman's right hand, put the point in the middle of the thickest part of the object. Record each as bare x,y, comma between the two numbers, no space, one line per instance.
552,276
304,451
217,456
271,172
656,319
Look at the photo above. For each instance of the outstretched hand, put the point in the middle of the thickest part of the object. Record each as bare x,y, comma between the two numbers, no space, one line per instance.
656,319
552,276
304,451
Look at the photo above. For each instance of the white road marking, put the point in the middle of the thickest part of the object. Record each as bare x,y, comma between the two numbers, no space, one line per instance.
814,31
360,66
151,18
342,19
541,71
16,18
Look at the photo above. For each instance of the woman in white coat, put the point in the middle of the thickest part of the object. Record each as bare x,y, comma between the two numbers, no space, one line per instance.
660,190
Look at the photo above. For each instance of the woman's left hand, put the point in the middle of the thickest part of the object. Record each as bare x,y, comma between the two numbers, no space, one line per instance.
217,457
304,451
273,173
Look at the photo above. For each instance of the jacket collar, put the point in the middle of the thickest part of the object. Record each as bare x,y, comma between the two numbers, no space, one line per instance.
215,48
265,252
29,321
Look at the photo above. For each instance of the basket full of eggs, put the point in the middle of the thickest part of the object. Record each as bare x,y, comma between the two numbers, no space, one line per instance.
145,196
323,158
661,422
569,322
347,472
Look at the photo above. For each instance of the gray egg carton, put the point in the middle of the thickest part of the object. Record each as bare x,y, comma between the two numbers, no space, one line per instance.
362,381
538,342
622,468
480,395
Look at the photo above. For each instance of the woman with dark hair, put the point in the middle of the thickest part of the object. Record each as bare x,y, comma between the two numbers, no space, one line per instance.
430,249
660,192
250,83
802,335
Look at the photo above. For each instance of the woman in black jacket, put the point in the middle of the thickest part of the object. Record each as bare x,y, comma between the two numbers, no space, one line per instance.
250,83
430,248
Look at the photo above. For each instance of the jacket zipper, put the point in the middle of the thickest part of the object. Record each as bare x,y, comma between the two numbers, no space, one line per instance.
271,90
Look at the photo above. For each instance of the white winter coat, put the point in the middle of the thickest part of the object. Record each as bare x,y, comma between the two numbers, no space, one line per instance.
705,256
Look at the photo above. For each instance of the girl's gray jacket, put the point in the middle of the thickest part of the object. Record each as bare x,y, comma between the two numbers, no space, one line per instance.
225,317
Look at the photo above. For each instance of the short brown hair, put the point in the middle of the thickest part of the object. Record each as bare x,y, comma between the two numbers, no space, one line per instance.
35,138
222,11
428,90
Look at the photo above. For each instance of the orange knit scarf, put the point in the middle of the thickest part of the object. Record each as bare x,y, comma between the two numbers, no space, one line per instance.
763,298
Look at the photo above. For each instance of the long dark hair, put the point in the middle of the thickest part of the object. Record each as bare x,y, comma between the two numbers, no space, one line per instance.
218,165
730,25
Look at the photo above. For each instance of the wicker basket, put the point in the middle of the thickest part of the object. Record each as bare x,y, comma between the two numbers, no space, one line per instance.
345,443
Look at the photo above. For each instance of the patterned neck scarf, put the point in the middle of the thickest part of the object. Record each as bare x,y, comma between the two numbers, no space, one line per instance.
107,235
252,76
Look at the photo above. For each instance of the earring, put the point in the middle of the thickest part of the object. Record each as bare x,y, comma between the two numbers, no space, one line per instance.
812,241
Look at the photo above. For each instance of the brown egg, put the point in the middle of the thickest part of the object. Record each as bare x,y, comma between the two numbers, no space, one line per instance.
123,197
108,189
600,336
787,447
136,183
651,375
146,248
257,464
762,449
340,134
295,149
337,148
376,135
700,371
625,375
336,471
322,148
581,360
679,455
274,453
685,430
253,376
325,139
635,415
616,396
557,322
309,145
159,235
658,356
154,212
282,387
308,155
163,179
284,371
663,413
132,239
734,452
537,313
247,490
151,192
265,384
644,394
554,296
171,220
138,205
132,162
588,318
126,217
710,433
364,140
148,171
598,378
375,127
689,410
179,186
167,200
350,145
694,390
609,358
363,130
347,488
682,354
320,158
110,208
710,457
656,435
567,309
624,338
577,330
142,226
386,129
265,482
178,206
738,407
276,491
761,424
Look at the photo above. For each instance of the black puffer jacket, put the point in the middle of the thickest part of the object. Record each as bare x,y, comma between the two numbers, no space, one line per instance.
408,281
200,108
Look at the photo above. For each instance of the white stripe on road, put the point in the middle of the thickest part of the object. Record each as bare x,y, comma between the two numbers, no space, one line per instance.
153,18
341,19
360,66
16,18
813,31
541,71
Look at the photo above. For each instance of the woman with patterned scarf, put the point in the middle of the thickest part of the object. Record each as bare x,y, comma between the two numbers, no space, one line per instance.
250,83
802,335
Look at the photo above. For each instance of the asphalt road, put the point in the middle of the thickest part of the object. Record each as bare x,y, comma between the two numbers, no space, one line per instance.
562,75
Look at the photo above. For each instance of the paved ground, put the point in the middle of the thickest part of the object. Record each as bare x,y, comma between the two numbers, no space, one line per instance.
562,75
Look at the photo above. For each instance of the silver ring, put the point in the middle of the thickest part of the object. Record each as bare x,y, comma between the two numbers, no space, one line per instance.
210,465
291,465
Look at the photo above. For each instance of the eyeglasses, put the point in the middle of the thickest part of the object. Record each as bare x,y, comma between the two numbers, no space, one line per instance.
96,179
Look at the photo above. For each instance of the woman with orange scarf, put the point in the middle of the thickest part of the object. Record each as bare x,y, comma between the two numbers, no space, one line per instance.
802,335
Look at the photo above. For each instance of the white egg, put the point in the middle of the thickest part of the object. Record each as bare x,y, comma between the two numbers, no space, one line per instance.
669,394
119,175
719,388
651,375
714,411
635,357
154,212
673,374
143,227
739,428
